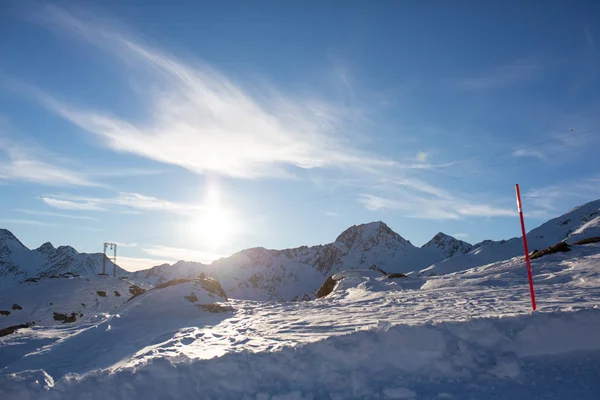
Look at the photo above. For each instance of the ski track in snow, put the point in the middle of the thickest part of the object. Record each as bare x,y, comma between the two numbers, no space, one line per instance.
469,334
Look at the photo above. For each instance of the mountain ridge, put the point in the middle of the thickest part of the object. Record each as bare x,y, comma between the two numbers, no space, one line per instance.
267,274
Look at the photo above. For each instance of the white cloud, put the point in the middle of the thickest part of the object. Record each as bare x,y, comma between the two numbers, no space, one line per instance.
503,75
201,120
53,214
140,263
418,199
175,253
549,201
25,165
72,203
23,222
527,152
123,244
125,202
589,37
331,214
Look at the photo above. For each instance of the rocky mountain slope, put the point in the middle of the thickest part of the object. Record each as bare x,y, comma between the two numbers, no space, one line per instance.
18,263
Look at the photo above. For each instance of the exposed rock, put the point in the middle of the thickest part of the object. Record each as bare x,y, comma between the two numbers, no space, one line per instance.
4,312
327,287
213,286
397,275
101,293
66,318
135,291
117,294
192,298
16,307
558,247
588,241
215,307
304,297
375,268
14,328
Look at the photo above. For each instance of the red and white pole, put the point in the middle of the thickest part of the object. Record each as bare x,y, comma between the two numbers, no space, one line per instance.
520,208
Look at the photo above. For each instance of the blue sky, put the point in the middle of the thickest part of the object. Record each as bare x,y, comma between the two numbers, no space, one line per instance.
191,130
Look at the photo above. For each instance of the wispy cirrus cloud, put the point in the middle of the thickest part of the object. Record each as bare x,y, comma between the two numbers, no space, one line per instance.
125,202
201,120
33,222
124,244
140,263
53,214
502,75
589,37
534,153
20,164
20,221
552,200
418,199
175,253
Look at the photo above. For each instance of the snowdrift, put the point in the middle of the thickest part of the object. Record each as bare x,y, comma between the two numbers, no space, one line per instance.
488,357
342,283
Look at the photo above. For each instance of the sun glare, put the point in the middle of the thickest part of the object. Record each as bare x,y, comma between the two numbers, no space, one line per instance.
215,225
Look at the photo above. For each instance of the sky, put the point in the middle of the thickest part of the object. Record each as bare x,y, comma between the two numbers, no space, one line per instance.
192,130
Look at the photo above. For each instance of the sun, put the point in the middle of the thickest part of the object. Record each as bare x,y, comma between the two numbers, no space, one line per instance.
215,226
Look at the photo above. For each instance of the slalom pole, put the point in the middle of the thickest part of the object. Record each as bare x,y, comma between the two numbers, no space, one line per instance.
527,261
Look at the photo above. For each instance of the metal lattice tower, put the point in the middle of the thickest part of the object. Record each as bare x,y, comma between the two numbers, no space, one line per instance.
111,246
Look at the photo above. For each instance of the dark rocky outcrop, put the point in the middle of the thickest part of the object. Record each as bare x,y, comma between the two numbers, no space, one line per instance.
16,307
213,286
14,328
327,287
304,297
135,291
595,239
396,275
192,298
558,247
215,307
117,294
101,293
4,312
66,318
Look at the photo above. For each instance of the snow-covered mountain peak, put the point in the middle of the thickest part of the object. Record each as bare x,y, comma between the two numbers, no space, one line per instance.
370,235
448,245
46,248
66,250
5,234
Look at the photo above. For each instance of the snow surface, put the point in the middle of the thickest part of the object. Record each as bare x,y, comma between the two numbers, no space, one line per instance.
469,334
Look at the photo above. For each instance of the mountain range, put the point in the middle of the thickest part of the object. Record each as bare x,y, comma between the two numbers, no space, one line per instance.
290,274
18,263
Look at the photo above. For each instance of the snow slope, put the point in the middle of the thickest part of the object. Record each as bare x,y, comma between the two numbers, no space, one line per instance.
579,223
469,334
84,296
